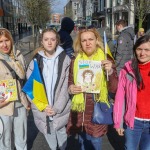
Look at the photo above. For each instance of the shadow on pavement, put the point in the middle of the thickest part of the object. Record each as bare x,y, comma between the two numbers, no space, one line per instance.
32,131
73,143
22,35
115,140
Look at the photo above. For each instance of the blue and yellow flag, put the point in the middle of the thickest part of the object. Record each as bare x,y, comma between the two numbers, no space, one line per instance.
107,49
35,89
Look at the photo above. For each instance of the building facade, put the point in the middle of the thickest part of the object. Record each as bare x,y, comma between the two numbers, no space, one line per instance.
12,16
101,13
68,10
56,19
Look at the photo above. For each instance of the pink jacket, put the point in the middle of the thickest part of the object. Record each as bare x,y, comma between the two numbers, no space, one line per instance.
125,99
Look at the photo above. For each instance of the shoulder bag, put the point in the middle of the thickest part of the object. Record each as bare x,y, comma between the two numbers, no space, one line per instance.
102,114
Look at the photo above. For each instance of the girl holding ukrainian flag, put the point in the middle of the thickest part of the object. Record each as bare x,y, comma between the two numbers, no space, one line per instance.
52,116
89,46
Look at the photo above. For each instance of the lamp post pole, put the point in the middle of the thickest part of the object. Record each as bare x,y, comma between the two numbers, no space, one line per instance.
84,11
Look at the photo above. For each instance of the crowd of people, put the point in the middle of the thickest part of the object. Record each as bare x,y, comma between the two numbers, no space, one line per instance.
125,74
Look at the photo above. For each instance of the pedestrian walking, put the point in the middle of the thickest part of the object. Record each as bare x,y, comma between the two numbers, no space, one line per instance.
13,113
131,107
89,46
67,26
54,67
124,46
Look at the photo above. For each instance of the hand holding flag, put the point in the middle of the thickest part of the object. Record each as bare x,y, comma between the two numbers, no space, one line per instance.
35,89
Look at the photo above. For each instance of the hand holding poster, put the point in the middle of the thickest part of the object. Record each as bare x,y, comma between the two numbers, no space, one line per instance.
89,75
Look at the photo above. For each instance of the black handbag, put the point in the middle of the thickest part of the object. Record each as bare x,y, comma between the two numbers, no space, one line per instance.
102,113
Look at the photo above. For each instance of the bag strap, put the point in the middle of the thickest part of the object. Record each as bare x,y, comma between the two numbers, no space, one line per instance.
13,73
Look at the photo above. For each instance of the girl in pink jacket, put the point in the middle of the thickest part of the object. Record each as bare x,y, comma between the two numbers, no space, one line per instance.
132,101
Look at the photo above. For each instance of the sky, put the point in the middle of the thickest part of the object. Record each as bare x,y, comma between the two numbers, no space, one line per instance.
59,8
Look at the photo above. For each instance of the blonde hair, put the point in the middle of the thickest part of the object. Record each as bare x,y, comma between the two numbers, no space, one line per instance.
139,32
41,38
77,42
8,35
141,29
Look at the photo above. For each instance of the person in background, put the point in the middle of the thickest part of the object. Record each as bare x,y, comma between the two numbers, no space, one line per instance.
12,113
132,102
139,34
67,26
124,46
89,46
54,67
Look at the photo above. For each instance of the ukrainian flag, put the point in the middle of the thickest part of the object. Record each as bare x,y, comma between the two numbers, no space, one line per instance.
35,89
107,49
84,66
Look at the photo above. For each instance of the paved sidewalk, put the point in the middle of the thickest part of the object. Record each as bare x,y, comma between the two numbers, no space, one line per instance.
27,45
17,37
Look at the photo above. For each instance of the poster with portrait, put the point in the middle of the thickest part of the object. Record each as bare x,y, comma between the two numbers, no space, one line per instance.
8,90
89,75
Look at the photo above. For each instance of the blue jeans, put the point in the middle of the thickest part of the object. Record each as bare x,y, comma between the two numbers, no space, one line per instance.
139,137
88,142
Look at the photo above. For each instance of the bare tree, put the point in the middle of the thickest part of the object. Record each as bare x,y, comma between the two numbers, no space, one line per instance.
38,11
54,4
141,8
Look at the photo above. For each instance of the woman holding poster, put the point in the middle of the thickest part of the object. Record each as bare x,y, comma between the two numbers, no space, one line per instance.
13,102
90,55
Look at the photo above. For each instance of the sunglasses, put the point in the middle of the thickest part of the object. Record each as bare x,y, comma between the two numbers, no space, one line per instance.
88,28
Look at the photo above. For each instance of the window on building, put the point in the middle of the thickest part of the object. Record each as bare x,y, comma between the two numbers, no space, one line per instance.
110,3
102,5
75,12
125,16
116,17
118,2
74,5
126,1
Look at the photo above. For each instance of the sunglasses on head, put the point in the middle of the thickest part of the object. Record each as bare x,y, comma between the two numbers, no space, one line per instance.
86,28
